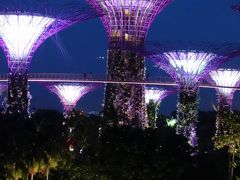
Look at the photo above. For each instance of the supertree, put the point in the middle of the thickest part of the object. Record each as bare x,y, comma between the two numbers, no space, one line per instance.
188,64
227,78
69,94
23,28
127,23
153,98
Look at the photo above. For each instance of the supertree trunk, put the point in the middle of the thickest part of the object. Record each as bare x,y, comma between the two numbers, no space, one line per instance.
125,104
223,112
187,114
152,108
17,98
67,111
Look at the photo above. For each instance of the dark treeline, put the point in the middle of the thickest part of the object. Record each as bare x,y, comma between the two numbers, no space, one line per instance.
37,148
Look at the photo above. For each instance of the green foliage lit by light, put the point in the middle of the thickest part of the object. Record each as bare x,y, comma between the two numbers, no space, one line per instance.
230,138
171,122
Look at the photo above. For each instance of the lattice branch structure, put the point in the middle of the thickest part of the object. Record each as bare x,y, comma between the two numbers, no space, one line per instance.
127,23
188,64
153,98
228,78
23,28
69,94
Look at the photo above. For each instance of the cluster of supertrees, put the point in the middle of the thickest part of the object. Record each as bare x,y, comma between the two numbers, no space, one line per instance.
25,26
189,64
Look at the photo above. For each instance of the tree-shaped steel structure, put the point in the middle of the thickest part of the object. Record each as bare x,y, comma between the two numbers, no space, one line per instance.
23,28
153,99
227,78
188,64
127,23
69,94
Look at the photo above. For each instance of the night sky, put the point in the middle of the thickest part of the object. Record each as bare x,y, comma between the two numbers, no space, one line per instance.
84,43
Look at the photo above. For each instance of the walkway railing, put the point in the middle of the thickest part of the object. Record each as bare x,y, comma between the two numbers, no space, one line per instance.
89,78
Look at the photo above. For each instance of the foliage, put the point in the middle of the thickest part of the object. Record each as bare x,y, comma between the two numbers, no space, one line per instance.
230,137
30,146
38,147
152,108
187,114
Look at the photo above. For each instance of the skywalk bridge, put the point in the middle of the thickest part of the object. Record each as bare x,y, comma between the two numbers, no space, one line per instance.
89,78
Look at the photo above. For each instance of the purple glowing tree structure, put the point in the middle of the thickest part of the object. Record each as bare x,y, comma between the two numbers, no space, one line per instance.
22,30
153,98
226,78
127,23
69,94
188,65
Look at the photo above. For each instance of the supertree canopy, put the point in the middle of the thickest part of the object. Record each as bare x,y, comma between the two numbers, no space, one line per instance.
153,98
128,20
127,23
69,94
23,29
227,78
188,64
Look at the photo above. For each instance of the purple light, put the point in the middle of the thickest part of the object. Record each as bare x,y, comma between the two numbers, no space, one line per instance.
70,93
128,20
155,94
227,78
22,34
186,67
22,30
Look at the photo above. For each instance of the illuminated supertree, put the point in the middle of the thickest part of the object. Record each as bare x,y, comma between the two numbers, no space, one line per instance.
227,78
153,98
188,64
23,28
69,94
127,23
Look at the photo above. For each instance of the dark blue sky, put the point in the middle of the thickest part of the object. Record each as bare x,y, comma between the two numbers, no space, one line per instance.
183,20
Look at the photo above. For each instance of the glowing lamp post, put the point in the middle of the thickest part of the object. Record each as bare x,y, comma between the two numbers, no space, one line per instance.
127,23
153,98
21,33
226,78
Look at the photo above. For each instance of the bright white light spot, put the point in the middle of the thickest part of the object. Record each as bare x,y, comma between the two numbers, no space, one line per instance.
154,94
70,93
20,33
226,77
171,122
71,148
189,63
